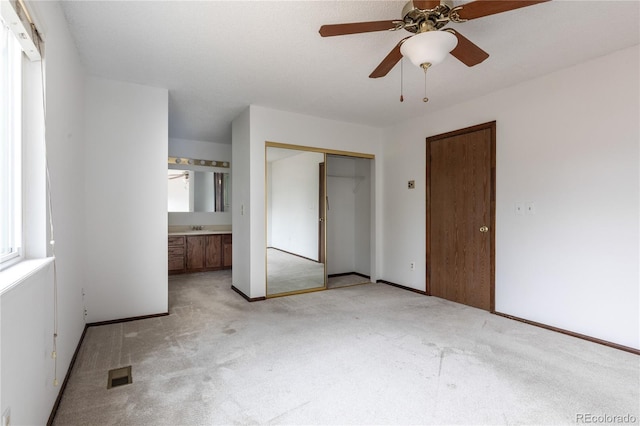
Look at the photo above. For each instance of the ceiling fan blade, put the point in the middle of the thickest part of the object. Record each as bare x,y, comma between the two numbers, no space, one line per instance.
479,8
179,175
468,52
426,4
389,61
355,28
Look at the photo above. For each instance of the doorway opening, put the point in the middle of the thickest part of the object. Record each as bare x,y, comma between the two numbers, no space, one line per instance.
348,220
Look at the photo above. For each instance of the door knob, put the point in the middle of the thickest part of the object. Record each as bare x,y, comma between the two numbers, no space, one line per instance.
484,229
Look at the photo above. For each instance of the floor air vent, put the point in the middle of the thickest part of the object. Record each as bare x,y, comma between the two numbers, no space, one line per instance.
119,377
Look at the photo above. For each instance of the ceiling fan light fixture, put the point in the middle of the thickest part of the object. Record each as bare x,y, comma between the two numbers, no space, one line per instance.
430,47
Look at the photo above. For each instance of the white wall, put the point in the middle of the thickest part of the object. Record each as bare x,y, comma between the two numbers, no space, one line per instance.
126,215
240,203
294,204
269,206
27,309
568,142
201,150
251,130
27,368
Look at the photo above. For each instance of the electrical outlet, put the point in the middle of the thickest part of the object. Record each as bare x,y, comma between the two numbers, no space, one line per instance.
412,266
412,184
6,417
530,208
519,209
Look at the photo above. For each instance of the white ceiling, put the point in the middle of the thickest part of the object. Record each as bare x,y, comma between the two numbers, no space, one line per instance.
218,57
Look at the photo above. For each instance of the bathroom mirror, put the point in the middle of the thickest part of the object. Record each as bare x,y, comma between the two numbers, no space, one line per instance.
198,191
295,221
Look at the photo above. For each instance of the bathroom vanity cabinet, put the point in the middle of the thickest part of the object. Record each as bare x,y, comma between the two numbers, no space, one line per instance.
197,253
226,250
177,254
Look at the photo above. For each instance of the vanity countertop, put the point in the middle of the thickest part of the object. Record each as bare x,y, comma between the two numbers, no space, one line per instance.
199,232
204,229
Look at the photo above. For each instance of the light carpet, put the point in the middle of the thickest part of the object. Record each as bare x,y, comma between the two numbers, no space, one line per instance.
346,281
370,354
287,272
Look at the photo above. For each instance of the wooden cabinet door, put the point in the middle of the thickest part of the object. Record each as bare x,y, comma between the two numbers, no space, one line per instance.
195,252
213,251
227,249
176,258
176,254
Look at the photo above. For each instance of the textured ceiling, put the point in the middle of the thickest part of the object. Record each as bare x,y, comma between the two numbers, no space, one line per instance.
218,57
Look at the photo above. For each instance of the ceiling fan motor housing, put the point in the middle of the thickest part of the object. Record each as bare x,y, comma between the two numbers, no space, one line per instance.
417,20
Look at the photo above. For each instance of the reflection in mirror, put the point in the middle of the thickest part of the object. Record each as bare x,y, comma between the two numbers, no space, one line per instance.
295,221
197,191
221,189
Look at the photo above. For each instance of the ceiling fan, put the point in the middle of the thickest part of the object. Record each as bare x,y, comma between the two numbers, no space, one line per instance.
431,43
184,174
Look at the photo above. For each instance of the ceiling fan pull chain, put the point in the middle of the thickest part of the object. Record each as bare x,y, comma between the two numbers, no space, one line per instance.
425,67
401,79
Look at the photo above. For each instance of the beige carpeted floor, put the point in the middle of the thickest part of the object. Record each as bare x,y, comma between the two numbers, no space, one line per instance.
287,272
370,354
346,281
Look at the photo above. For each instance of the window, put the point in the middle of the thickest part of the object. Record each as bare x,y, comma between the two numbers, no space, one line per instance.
10,147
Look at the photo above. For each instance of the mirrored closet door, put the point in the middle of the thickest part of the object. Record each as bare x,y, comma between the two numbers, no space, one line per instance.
295,253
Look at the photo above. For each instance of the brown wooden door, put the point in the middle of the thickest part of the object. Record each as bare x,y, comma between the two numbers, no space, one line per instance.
461,216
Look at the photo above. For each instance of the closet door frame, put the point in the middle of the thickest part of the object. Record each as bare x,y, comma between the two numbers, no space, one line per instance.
323,205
